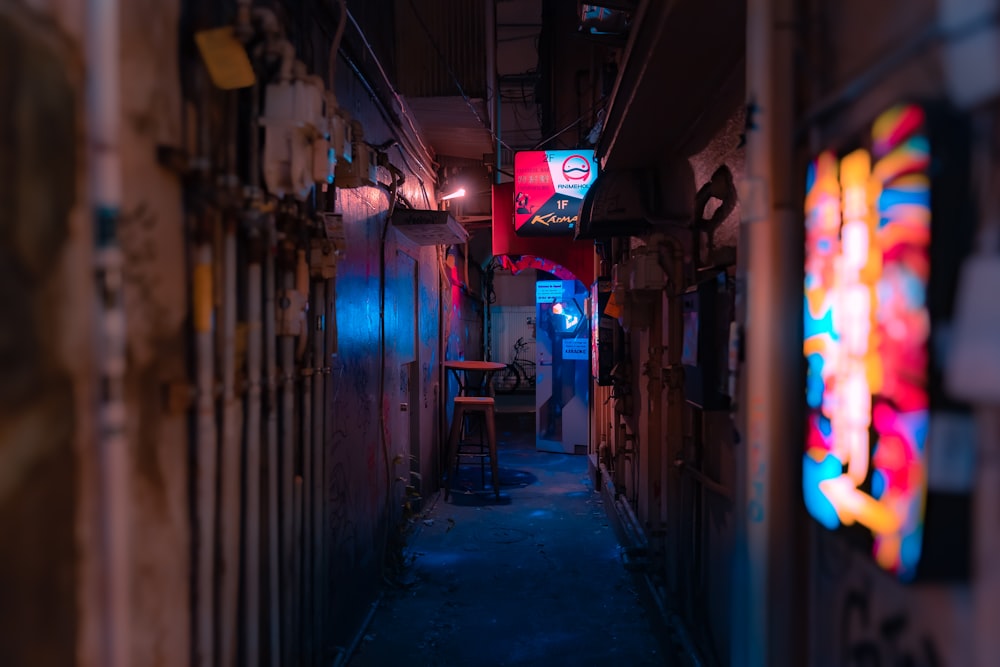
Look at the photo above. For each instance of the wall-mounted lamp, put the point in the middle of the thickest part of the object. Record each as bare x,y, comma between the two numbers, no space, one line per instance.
457,193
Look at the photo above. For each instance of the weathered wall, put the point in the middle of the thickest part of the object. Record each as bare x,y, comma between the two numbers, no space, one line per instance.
40,185
368,471
151,234
54,527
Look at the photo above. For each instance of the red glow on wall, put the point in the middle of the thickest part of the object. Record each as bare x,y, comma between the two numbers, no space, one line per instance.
575,257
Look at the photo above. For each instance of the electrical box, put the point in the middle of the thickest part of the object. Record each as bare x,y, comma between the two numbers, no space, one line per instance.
322,259
645,272
292,308
707,311
605,332
294,123
361,167
333,228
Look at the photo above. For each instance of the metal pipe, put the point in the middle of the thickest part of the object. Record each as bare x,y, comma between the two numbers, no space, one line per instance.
272,463
493,97
302,287
287,347
303,541
297,585
413,133
206,457
338,35
768,622
706,482
345,654
673,433
230,461
104,124
252,517
751,580
328,427
319,422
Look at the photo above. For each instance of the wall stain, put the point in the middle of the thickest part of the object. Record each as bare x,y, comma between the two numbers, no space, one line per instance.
38,463
881,640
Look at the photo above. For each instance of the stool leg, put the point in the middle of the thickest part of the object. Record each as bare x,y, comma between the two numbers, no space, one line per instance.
491,440
482,446
451,460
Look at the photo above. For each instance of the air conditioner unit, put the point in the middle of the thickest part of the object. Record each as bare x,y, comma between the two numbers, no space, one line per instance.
425,227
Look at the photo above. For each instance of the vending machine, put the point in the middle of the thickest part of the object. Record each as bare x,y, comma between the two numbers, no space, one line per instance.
562,367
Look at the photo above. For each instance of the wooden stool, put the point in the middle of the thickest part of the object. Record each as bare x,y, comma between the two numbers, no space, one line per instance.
464,406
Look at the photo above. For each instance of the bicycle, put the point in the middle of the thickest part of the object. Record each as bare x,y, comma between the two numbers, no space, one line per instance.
519,372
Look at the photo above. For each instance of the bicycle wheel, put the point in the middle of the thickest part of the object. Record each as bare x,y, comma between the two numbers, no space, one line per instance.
529,374
506,380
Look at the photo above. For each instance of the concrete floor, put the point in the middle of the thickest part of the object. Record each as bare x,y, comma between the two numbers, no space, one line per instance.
534,579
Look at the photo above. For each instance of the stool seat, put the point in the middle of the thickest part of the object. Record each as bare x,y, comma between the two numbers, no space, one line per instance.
483,406
474,400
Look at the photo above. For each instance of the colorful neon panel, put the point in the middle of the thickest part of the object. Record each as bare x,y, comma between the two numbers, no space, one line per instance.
867,328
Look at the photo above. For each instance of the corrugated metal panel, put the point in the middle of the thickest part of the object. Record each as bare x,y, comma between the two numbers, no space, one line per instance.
452,30
508,324
452,127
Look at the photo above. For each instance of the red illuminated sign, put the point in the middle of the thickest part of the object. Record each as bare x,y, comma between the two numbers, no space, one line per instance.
549,190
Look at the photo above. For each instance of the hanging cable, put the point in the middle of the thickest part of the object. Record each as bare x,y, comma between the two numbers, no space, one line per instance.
571,125
338,36
385,77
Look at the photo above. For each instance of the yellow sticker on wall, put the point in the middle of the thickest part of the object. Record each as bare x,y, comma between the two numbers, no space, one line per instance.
225,58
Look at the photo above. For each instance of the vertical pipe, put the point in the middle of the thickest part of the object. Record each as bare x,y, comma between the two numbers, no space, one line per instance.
654,445
493,98
273,466
287,478
768,622
104,123
674,413
230,461
986,602
331,351
750,622
297,587
305,443
252,518
206,456
304,539
319,421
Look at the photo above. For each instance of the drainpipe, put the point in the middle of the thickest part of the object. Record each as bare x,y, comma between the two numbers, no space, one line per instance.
769,621
287,447
493,79
331,352
302,289
206,454
230,459
303,552
295,649
750,611
255,349
302,543
272,461
104,123
672,258
652,452
319,422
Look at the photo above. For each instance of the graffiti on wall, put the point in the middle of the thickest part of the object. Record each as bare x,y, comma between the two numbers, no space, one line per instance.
862,617
873,639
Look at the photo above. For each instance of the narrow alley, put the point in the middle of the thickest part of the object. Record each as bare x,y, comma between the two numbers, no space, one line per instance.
534,579
499,332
